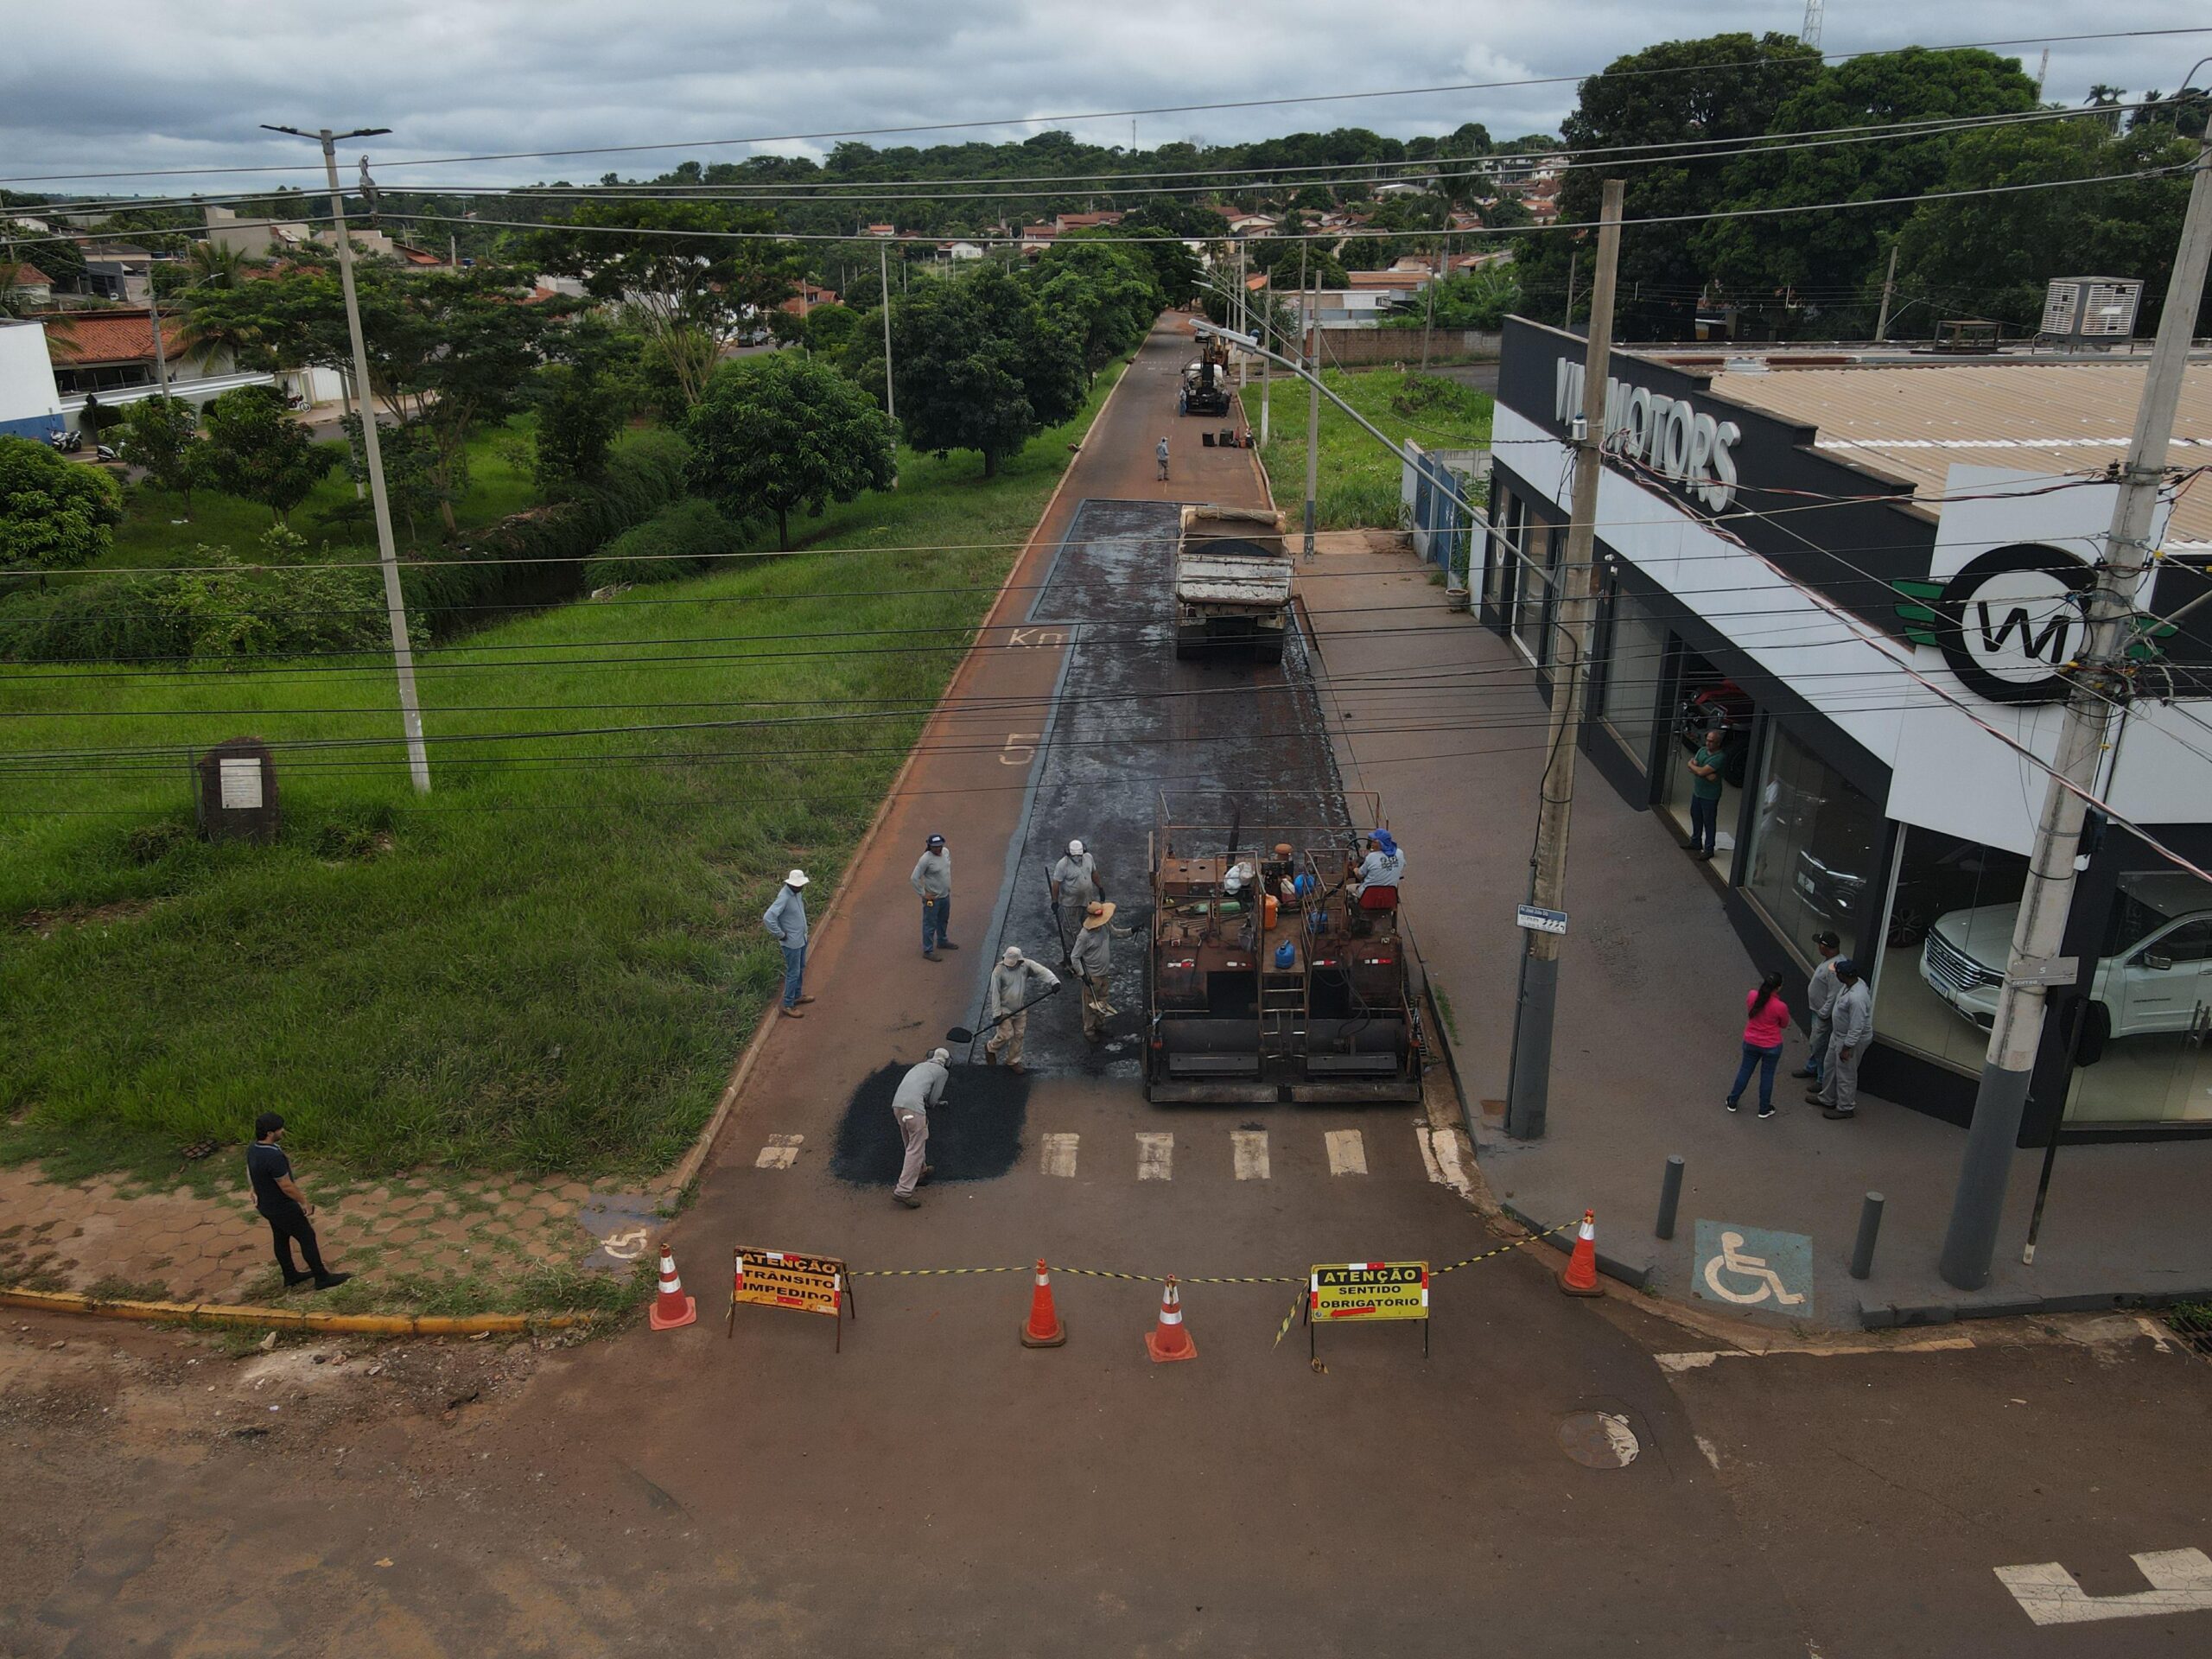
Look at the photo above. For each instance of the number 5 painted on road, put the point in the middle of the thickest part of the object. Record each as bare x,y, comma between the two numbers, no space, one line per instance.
1020,748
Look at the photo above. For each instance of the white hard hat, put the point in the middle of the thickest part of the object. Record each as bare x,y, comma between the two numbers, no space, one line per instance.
796,879
1013,955
1075,849
942,1056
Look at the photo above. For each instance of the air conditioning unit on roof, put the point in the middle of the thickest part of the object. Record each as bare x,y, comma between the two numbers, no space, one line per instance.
2094,312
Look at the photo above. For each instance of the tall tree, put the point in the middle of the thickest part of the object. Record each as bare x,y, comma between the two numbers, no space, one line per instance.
679,269
1651,112
577,419
1839,254
159,436
256,451
980,367
1099,291
55,515
780,435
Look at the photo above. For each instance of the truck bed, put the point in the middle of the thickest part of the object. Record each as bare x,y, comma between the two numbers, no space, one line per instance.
1224,575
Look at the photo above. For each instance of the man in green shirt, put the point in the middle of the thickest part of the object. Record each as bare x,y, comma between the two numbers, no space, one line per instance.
1704,795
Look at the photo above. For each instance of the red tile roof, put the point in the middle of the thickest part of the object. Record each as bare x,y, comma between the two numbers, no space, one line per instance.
26,276
76,339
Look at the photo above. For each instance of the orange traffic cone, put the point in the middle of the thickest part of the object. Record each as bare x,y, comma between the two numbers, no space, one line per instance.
672,1307
1580,1278
1168,1339
1044,1328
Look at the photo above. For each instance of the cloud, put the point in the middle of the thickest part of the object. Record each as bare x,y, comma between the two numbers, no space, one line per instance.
145,84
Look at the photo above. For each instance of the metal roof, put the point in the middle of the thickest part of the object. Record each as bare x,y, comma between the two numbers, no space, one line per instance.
1912,422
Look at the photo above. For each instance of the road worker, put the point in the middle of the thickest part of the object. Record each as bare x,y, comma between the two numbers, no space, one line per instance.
1016,983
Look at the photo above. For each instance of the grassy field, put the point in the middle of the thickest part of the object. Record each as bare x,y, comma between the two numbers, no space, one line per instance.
160,528
549,962
1359,476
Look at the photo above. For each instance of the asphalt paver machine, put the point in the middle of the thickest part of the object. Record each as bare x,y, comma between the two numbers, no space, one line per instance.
1267,979
1205,383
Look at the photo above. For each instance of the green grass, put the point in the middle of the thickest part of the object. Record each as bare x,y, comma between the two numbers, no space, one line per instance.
541,966
1359,477
160,528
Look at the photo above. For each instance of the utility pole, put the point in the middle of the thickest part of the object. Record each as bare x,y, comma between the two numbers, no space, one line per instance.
890,397
1572,261
161,351
2099,688
1889,289
395,601
1529,1090
1267,378
1311,352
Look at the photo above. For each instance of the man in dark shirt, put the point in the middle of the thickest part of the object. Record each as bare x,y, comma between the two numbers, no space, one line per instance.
283,1206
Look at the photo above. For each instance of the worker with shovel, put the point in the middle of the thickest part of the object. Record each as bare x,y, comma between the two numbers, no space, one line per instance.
1092,962
1016,983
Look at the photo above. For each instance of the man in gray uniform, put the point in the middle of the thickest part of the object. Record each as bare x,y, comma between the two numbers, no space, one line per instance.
1076,886
922,1088
1014,982
1850,1020
1093,962
1820,998
933,879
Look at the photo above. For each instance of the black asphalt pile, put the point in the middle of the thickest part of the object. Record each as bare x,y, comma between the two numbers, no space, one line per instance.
975,1132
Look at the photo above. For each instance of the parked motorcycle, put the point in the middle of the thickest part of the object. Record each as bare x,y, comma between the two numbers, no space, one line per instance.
66,442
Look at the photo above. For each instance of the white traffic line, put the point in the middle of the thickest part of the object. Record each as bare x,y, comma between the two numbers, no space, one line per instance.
1439,1156
1155,1157
1347,1152
781,1153
2180,1581
1059,1155
1251,1152
1677,1363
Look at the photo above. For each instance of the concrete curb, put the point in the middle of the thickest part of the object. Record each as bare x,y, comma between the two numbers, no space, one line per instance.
1887,1316
278,1319
688,1168
1563,1242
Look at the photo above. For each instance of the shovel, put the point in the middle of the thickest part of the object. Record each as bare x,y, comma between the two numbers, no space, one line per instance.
962,1034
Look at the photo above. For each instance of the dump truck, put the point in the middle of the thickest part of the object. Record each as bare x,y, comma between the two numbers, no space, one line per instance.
1232,584
1205,382
1267,978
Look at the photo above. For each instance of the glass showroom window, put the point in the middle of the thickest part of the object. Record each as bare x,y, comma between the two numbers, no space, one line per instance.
1511,523
1634,663
1949,937
2149,1007
1531,615
1814,841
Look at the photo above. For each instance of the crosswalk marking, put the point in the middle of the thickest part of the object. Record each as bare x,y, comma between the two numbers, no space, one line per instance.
1059,1155
781,1153
1155,1157
1251,1146
1347,1152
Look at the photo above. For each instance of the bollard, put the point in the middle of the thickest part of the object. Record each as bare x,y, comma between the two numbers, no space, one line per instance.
1670,1194
1870,1227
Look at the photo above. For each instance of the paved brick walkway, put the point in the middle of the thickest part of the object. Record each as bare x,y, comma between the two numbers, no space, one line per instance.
410,1238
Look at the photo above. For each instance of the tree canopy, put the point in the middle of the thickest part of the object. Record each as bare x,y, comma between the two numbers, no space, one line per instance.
780,435
55,514
980,366
256,451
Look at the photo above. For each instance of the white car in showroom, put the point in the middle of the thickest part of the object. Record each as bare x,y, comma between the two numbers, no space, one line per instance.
2156,974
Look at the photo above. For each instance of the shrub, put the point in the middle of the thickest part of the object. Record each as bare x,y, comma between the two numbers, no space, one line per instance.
675,543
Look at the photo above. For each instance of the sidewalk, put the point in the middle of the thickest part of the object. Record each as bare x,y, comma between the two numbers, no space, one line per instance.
1439,716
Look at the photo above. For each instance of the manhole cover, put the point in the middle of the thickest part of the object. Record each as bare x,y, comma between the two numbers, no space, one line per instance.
1597,1440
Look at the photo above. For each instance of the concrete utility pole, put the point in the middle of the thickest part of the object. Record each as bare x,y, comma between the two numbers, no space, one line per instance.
1529,1091
1889,289
161,351
395,601
890,397
1310,352
1970,1243
1574,260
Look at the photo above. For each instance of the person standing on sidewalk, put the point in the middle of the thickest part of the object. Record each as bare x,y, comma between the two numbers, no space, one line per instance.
1820,997
283,1206
1076,886
785,919
1092,959
1015,983
1704,795
1766,1017
922,1088
1850,1020
1162,453
933,879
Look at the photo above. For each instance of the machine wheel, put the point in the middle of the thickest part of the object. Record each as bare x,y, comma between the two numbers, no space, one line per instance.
1190,645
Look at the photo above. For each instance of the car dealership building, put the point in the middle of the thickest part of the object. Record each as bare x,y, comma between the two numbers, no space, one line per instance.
1867,569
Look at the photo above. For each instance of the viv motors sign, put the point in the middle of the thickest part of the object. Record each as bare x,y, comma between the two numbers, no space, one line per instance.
1683,447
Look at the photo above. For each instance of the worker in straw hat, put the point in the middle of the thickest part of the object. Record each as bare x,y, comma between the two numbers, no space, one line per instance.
1092,959
785,919
1015,983
922,1088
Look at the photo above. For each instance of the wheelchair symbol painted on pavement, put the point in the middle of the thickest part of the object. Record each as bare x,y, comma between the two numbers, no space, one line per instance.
1749,1267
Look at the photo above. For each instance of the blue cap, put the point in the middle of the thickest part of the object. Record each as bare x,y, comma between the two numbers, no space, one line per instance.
1382,838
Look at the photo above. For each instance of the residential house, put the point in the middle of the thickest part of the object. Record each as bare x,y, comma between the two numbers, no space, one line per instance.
109,355
1253,224
1065,222
23,284
1035,239
808,296
959,252
881,231
118,272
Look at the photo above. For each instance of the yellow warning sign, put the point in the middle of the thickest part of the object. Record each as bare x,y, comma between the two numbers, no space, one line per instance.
1367,1290
809,1284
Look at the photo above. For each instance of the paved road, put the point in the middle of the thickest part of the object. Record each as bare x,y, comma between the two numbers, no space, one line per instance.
935,1488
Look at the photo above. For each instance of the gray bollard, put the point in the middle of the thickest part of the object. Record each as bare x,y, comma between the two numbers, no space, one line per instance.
1870,1229
1670,1194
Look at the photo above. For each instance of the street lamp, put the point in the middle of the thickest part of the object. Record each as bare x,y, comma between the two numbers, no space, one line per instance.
395,601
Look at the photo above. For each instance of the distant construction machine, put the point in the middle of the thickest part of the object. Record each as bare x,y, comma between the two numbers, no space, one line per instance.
1205,383
1267,979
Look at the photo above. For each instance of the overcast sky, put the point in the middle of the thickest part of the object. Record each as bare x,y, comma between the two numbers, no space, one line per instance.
136,84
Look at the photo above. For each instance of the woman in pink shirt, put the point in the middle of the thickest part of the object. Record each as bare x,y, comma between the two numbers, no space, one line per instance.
1765,1019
